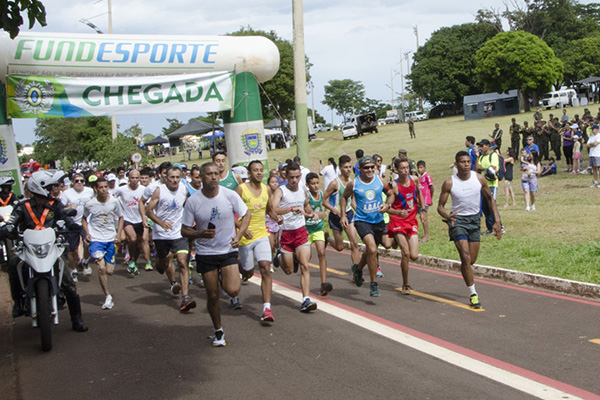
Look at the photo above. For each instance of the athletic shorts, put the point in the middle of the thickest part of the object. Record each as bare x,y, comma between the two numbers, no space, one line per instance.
366,228
74,237
507,184
259,249
318,236
138,228
164,247
407,227
420,209
209,263
334,220
595,161
106,250
466,227
290,240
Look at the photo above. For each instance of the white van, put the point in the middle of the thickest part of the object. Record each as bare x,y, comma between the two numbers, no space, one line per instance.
560,99
415,115
348,131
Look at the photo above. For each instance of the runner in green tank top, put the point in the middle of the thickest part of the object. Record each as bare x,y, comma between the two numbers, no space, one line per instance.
331,202
314,226
228,179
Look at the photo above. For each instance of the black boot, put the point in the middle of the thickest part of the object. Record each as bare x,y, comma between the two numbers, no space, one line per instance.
17,310
75,311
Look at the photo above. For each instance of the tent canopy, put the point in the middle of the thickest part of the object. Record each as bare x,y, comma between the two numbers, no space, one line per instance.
210,134
587,81
275,124
156,140
193,127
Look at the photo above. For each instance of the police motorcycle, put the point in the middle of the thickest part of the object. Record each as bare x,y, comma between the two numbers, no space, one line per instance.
39,250
6,208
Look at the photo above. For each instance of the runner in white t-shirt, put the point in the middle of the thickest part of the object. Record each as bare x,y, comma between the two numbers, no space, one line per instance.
209,218
165,208
100,216
76,197
134,231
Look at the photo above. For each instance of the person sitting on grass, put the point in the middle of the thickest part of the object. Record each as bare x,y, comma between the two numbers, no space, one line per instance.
550,169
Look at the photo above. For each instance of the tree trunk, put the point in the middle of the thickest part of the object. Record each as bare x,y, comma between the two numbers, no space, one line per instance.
524,100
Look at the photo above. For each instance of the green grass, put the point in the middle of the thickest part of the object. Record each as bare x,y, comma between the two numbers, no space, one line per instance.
559,239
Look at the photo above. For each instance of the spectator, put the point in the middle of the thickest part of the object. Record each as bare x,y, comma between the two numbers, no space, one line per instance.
594,153
567,136
550,169
509,162
531,170
472,150
329,172
576,154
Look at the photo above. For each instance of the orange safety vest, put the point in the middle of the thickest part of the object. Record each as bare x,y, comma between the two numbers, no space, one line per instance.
9,198
39,224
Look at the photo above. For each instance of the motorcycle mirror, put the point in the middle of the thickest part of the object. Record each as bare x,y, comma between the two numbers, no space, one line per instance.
20,197
71,212
60,224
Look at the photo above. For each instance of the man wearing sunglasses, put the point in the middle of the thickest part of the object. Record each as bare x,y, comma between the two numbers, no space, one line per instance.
368,221
76,197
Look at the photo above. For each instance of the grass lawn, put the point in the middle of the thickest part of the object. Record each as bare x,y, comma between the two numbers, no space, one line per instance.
558,239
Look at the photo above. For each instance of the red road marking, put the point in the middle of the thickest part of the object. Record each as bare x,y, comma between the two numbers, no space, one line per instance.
532,291
461,350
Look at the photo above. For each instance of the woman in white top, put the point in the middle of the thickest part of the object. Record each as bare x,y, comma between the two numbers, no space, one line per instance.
529,183
380,168
330,172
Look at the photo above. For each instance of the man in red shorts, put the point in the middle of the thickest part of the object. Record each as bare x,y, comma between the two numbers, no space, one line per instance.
404,199
291,202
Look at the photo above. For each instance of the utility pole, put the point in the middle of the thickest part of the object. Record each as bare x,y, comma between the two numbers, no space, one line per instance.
416,29
392,86
300,81
113,119
402,83
312,99
406,55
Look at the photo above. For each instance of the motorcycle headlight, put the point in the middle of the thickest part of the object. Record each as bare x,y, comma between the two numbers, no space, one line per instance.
41,250
5,217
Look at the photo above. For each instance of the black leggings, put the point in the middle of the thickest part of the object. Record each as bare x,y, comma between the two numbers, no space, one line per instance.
568,151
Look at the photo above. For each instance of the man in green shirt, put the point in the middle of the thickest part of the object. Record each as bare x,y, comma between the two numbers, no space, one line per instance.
488,158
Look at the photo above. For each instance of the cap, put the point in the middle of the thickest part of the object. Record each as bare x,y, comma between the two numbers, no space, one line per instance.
595,127
241,171
483,141
576,137
574,126
111,177
402,151
92,178
98,174
282,166
365,160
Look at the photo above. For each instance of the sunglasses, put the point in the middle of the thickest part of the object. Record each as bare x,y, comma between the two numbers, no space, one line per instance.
78,181
368,167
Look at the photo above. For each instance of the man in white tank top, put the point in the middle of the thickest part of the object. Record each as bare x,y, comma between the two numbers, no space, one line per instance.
466,188
165,208
291,202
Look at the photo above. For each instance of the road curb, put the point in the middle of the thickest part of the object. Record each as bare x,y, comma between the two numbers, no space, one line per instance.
574,288
8,370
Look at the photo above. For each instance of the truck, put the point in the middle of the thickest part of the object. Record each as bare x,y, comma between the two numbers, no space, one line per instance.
28,168
560,99
364,123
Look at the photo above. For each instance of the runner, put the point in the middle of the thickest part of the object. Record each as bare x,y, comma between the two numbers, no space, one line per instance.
403,200
466,187
100,216
165,208
255,243
228,179
76,197
209,218
291,202
315,228
366,190
331,201
134,231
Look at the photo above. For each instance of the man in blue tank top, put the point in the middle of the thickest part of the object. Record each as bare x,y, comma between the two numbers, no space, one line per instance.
368,221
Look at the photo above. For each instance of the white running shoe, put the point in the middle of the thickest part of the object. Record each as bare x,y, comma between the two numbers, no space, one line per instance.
108,303
533,207
527,208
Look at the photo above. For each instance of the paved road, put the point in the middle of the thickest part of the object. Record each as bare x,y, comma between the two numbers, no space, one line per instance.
525,344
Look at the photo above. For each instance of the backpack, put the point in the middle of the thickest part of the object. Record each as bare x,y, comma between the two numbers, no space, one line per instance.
501,167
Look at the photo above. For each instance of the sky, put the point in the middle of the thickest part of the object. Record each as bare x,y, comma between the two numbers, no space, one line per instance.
360,40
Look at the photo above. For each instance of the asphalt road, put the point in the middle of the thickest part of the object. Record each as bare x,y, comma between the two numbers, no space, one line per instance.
524,344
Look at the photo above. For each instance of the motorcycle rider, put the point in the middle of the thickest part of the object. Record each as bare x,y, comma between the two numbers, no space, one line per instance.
40,211
7,197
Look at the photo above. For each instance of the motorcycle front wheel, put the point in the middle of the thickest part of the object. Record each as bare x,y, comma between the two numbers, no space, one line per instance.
44,312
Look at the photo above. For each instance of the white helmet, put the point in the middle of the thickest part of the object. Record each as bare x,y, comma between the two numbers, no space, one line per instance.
39,183
57,176
6,180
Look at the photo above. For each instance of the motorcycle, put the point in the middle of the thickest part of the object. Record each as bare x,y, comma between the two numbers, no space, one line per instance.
39,251
6,253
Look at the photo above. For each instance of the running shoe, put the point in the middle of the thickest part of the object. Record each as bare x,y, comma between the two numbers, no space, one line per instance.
87,270
108,303
379,272
235,304
148,266
187,303
474,301
267,316
488,232
219,339
326,287
308,306
132,268
374,289
357,275
406,290
276,258
74,275
175,288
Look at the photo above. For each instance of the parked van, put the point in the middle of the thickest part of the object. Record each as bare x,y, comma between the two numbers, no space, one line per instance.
348,131
560,99
415,115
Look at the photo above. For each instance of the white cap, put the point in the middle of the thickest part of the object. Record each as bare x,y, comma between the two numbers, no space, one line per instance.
241,171
111,177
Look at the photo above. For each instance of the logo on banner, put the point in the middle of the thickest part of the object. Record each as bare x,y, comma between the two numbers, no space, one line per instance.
3,151
251,140
34,97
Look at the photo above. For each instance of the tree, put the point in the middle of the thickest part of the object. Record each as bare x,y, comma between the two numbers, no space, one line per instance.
119,151
582,59
318,117
518,60
19,147
10,14
277,95
443,69
345,96
174,124
212,118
